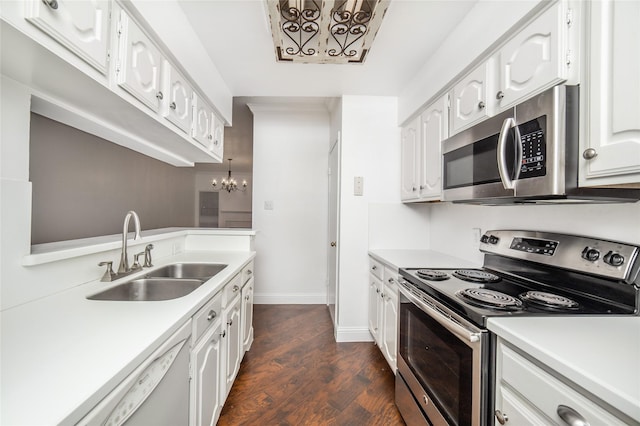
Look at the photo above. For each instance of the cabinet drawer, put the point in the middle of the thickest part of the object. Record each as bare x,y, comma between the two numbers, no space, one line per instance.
231,290
390,280
206,316
376,268
546,392
247,272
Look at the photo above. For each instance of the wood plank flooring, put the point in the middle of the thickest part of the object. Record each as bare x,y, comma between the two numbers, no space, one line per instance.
296,374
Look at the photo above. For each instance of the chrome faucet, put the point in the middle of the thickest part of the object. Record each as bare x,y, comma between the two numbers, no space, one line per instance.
124,261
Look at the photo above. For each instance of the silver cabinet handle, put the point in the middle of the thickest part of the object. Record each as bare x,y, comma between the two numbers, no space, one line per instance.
481,105
374,267
173,105
571,416
159,95
246,297
53,4
224,333
235,288
230,322
390,280
212,315
500,95
501,417
589,154
333,244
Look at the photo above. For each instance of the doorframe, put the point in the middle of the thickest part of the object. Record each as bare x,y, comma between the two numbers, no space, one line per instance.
333,276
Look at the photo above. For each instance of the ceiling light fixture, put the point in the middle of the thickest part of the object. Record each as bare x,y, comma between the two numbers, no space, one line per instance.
229,184
324,31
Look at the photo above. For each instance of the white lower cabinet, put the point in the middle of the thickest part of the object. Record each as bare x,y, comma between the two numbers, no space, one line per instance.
528,394
220,341
383,310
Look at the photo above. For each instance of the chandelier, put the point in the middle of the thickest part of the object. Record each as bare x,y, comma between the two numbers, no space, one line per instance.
229,184
324,31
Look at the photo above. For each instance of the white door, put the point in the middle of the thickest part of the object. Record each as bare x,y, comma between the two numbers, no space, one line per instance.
409,160
217,144
612,100
202,126
234,340
333,227
435,129
206,397
81,26
469,98
178,108
533,59
140,64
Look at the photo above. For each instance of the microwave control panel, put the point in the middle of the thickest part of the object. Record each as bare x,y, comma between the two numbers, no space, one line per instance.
534,149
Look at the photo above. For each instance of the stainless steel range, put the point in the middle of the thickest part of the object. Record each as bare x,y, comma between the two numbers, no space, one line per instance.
445,352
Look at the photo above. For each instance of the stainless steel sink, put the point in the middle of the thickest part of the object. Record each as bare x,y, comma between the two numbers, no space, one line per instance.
149,289
200,271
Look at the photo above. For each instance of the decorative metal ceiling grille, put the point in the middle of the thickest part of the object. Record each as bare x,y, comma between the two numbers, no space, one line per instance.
324,31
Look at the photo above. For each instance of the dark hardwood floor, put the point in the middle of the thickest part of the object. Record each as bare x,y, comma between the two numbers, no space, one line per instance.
296,374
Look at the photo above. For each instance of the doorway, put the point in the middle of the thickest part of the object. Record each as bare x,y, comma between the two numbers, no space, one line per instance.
208,209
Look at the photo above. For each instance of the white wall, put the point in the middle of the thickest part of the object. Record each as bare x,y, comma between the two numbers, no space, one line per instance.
451,224
370,149
290,171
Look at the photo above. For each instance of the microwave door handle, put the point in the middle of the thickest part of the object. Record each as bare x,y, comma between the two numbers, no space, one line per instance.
507,124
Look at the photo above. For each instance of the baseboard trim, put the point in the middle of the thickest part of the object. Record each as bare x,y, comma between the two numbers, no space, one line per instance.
353,334
290,299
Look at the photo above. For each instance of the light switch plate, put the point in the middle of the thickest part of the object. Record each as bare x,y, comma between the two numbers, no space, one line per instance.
268,205
358,185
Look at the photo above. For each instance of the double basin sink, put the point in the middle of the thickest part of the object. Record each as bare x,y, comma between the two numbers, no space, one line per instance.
166,283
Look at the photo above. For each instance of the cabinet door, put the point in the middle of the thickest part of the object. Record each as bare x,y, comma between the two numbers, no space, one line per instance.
434,129
139,67
202,127
612,100
247,315
234,341
375,286
390,327
217,146
206,361
178,108
469,98
534,59
80,26
409,152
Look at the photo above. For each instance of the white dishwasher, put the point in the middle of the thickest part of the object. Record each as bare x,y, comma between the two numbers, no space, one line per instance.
156,393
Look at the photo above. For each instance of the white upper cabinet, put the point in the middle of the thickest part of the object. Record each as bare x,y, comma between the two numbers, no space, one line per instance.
610,146
469,98
534,59
80,26
202,129
410,155
217,146
179,97
139,64
434,129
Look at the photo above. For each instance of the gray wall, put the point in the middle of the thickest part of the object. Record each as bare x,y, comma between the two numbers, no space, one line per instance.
83,186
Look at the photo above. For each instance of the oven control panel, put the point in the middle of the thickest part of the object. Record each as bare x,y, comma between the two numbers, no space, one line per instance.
605,258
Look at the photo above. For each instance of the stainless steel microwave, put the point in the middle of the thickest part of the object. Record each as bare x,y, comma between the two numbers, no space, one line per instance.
526,154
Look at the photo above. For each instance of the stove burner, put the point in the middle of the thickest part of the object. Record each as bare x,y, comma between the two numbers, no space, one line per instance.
429,274
476,276
549,300
486,298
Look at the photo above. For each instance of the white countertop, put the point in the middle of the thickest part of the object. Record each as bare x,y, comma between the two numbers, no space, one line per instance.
398,258
599,354
62,354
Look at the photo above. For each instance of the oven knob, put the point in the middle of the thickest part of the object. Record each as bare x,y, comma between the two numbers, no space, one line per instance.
484,239
590,254
613,258
493,239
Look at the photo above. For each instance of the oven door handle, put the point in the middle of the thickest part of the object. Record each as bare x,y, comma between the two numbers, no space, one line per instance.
507,181
446,321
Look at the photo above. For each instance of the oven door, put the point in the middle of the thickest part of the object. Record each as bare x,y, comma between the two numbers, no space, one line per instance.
444,362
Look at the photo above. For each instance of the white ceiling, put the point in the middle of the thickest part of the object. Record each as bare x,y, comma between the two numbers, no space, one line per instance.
237,36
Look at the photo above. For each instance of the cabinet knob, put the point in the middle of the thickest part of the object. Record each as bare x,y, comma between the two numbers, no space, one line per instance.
224,333
374,267
249,272
382,295
159,95
501,417
500,95
246,297
390,280
209,137
481,105
333,243
413,189
212,315
425,399
378,290
53,4
589,154
571,416
173,106
235,288
230,322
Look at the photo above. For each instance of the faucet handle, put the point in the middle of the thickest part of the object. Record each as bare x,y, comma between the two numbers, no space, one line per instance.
136,263
147,256
109,275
